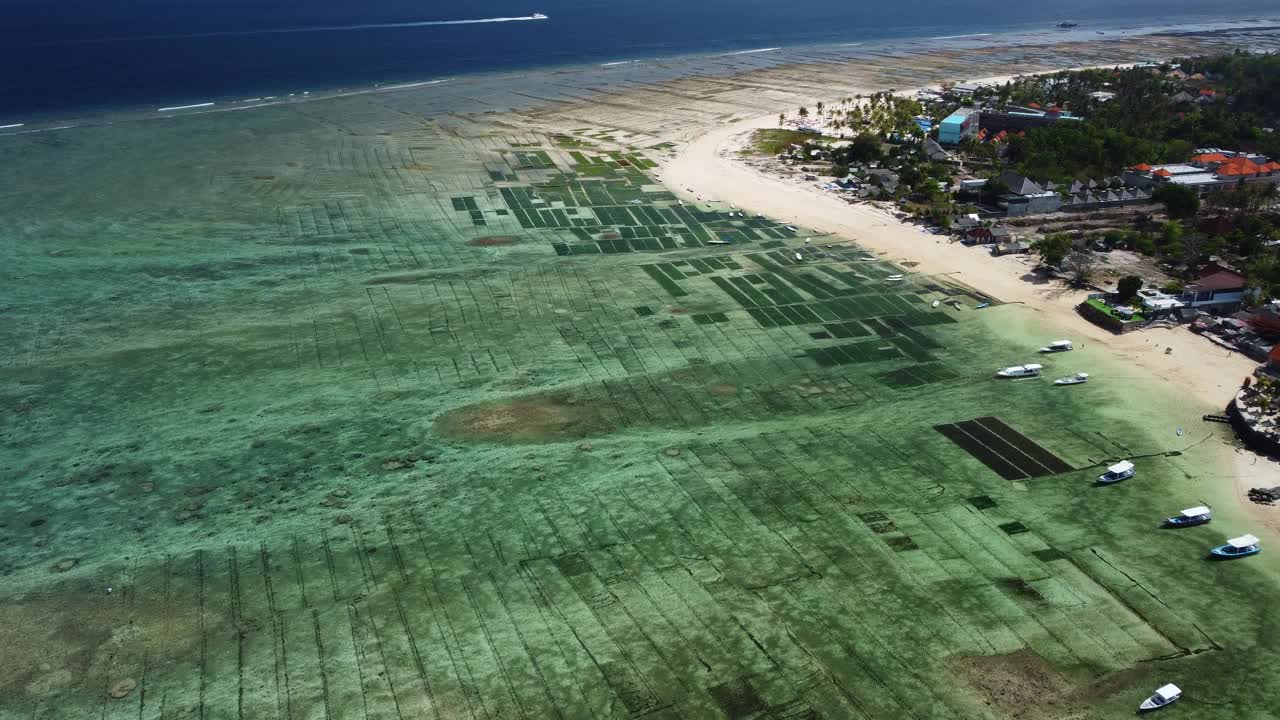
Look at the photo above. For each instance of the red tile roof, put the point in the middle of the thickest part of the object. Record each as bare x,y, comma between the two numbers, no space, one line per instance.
1274,355
1208,91
1163,173
1142,167
1034,105
1222,280
1207,158
1238,167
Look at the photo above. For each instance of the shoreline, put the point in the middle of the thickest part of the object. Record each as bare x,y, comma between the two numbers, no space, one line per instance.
172,107
709,166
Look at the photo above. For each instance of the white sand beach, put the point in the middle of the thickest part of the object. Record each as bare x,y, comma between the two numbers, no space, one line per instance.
710,166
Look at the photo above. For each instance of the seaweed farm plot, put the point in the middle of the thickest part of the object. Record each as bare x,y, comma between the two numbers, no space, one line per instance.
606,203
1006,451
391,416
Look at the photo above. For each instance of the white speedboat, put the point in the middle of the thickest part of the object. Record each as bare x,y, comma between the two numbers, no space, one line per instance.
1073,380
936,303
538,16
1057,346
799,257
1122,470
895,278
1020,371
1163,696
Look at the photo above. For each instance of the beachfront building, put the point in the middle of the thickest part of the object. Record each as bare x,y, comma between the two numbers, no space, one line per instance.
1021,119
1208,171
957,126
1027,197
1217,289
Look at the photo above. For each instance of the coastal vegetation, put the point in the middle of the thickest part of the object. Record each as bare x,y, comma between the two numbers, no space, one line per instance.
1151,114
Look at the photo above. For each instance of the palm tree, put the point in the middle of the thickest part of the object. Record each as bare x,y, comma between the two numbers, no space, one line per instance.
782,118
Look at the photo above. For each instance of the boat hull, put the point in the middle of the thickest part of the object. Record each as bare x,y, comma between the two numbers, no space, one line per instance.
1222,552
1178,522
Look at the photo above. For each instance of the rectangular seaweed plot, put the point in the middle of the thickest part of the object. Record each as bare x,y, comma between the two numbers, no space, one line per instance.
1009,453
1026,445
984,454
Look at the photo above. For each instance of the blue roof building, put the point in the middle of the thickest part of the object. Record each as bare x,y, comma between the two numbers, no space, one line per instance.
957,126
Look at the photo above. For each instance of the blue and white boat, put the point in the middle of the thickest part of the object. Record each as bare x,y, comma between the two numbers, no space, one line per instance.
1122,470
1243,546
1191,516
1164,695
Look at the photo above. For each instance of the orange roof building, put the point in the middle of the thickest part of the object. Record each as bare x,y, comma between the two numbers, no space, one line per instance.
1142,167
1238,168
1163,173
1207,158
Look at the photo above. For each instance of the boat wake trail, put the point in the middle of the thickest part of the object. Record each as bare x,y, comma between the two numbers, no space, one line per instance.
956,37
751,52
314,29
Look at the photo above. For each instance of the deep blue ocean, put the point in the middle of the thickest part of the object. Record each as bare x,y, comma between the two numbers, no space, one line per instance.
62,56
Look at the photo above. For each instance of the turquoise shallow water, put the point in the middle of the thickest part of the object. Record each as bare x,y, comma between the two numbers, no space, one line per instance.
362,406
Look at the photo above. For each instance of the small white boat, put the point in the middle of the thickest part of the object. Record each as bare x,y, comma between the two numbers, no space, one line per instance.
1163,696
719,242
538,16
868,257
1057,346
1198,515
1073,380
799,257
936,303
792,228
1020,371
895,278
1122,470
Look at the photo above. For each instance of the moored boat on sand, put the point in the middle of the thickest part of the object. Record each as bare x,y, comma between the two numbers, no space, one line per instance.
1076,379
1058,346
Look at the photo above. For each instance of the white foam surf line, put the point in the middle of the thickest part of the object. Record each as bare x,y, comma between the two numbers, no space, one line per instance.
184,107
10,127
957,37
750,52
620,62
40,130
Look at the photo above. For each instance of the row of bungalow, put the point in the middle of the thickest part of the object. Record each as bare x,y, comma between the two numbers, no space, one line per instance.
1027,197
1208,171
